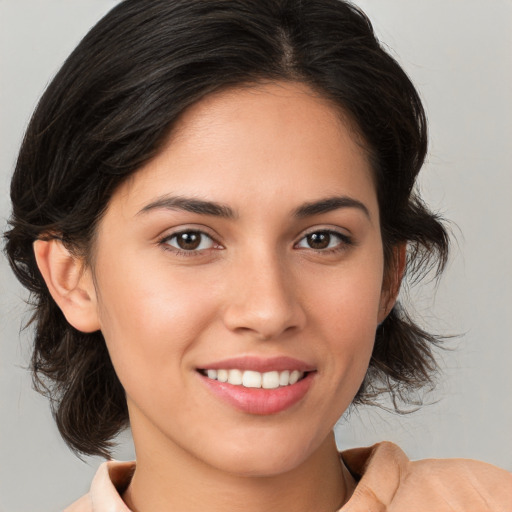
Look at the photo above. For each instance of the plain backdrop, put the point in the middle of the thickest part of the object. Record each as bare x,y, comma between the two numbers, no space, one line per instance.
459,54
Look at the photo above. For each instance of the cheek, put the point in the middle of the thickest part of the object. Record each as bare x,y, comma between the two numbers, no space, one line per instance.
149,319
350,299
347,313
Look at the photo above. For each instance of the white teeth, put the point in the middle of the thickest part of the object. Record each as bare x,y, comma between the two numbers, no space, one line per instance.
222,375
270,380
235,377
294,377
252,379
284,378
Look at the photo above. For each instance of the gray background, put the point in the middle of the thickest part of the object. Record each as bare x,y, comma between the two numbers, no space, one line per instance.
459,54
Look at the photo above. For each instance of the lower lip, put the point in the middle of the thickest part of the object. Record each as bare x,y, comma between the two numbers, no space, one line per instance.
258,400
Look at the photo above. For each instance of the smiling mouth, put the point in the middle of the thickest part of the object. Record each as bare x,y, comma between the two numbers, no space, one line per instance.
253,379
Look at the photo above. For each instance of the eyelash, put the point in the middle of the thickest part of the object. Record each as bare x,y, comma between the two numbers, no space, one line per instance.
345,241
164,243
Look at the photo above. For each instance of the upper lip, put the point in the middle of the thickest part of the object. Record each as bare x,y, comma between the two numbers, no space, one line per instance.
260,364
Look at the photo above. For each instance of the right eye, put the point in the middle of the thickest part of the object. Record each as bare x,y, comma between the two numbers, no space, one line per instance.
189,241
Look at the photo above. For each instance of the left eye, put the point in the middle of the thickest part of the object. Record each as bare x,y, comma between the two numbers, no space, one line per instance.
320,240
190,241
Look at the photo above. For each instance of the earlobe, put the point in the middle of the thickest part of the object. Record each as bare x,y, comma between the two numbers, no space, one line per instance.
69,282
392,281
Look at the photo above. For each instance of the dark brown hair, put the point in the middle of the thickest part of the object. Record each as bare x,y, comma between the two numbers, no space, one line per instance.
112,106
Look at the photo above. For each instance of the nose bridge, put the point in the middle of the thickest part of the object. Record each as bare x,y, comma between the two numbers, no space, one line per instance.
262,296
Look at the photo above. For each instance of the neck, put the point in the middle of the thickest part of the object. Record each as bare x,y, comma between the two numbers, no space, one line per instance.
179,481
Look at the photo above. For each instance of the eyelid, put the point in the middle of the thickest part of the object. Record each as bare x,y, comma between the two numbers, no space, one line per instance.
202,230
346,239
185,228
323,228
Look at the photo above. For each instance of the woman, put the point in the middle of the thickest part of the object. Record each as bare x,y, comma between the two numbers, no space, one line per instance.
212,208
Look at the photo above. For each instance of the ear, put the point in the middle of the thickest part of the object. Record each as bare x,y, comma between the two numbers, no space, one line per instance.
392,281
69,282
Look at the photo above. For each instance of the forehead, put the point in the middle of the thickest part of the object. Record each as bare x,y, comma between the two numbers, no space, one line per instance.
278,141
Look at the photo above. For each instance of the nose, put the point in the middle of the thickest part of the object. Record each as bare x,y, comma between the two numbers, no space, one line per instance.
262,299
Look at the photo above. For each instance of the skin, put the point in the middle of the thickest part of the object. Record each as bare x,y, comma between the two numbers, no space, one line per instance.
254,287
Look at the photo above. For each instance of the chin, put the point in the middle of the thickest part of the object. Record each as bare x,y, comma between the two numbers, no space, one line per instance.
263,459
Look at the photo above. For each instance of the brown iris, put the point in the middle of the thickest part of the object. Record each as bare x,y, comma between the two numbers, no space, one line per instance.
188,241
319,240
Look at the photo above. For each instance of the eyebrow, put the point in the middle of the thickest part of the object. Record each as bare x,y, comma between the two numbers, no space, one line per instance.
190,205
329,204
214,209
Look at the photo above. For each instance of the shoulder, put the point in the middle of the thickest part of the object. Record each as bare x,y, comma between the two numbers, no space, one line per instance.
82,505
107,486
389,481
467,484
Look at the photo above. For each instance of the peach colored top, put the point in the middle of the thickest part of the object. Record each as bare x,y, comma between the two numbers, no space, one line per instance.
388,481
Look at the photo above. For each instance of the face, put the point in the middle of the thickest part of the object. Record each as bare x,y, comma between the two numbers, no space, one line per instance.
249,250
